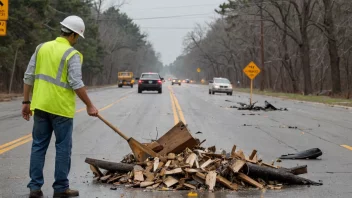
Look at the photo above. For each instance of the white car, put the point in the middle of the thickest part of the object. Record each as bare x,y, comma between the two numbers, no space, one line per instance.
220,85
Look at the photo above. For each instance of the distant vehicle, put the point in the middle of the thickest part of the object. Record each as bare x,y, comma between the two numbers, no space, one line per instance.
176,81
150,82
188,81
220,85
125,79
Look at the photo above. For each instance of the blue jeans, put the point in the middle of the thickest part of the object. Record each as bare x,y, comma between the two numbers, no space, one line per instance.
44,125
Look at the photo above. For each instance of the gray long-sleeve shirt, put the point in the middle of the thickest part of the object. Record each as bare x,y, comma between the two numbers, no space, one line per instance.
74,76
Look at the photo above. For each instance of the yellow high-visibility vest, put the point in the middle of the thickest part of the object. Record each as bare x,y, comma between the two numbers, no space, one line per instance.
51,92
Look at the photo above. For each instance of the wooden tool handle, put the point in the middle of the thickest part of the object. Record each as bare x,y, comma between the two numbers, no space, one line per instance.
113,127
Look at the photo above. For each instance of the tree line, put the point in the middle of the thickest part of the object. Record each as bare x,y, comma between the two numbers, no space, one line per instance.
113,42
301,46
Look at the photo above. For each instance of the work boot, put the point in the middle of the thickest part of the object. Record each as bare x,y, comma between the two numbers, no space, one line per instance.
36,194
67,193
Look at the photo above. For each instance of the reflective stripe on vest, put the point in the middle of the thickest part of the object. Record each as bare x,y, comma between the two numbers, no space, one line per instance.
50,79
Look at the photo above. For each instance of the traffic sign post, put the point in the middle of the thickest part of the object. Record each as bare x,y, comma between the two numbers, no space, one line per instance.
198,70
251,70
4,16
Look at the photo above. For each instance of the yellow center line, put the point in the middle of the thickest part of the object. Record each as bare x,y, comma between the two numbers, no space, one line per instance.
346,146
15,145
15,141
178,107
22,140
176,120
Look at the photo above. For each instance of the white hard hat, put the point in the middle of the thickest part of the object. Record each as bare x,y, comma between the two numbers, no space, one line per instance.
75,24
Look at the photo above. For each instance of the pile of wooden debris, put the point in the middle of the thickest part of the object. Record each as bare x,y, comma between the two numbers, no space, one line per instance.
198,169
252,107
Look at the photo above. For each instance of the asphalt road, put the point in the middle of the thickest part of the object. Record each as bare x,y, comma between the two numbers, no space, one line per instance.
142,115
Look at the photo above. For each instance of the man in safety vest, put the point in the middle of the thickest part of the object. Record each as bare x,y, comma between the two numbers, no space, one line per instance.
55,73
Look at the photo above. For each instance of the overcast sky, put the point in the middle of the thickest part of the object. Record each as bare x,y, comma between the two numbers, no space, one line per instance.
167,34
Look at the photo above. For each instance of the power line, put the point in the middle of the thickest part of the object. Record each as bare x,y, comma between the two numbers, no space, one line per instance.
175,16
172,7
161,17
169,28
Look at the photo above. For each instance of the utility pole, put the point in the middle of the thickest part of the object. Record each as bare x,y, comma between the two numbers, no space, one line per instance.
262,83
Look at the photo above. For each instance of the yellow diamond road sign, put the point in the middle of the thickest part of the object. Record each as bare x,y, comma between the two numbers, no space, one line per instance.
251,70
198,69
2,28
4,10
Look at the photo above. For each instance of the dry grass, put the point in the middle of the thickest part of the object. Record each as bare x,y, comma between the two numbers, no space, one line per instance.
319,99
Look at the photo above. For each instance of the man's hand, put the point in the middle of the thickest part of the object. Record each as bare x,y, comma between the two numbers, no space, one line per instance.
26,111
92,111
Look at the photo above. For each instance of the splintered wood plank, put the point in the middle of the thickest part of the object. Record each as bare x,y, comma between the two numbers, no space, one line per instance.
197,163
149,176
105,178
191,170
96,171
226,183
176,140
190,186
205,164
174,171
161,164
170,181
155,146
250,180
113,179
255,158
237,166
168,163
156,164
210,180
145,184
233,151
138,176
191,158
254,152
200,175
241,154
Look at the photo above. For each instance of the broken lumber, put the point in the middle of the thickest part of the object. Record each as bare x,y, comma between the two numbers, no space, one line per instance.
254,152
155,146
111,166
190,186
210,180
170,181
156,164
176,140
237,166
138,173
191,159
174,171
249,180
205,164
240,154
298,170
96,171
145,184
226,183
233,151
